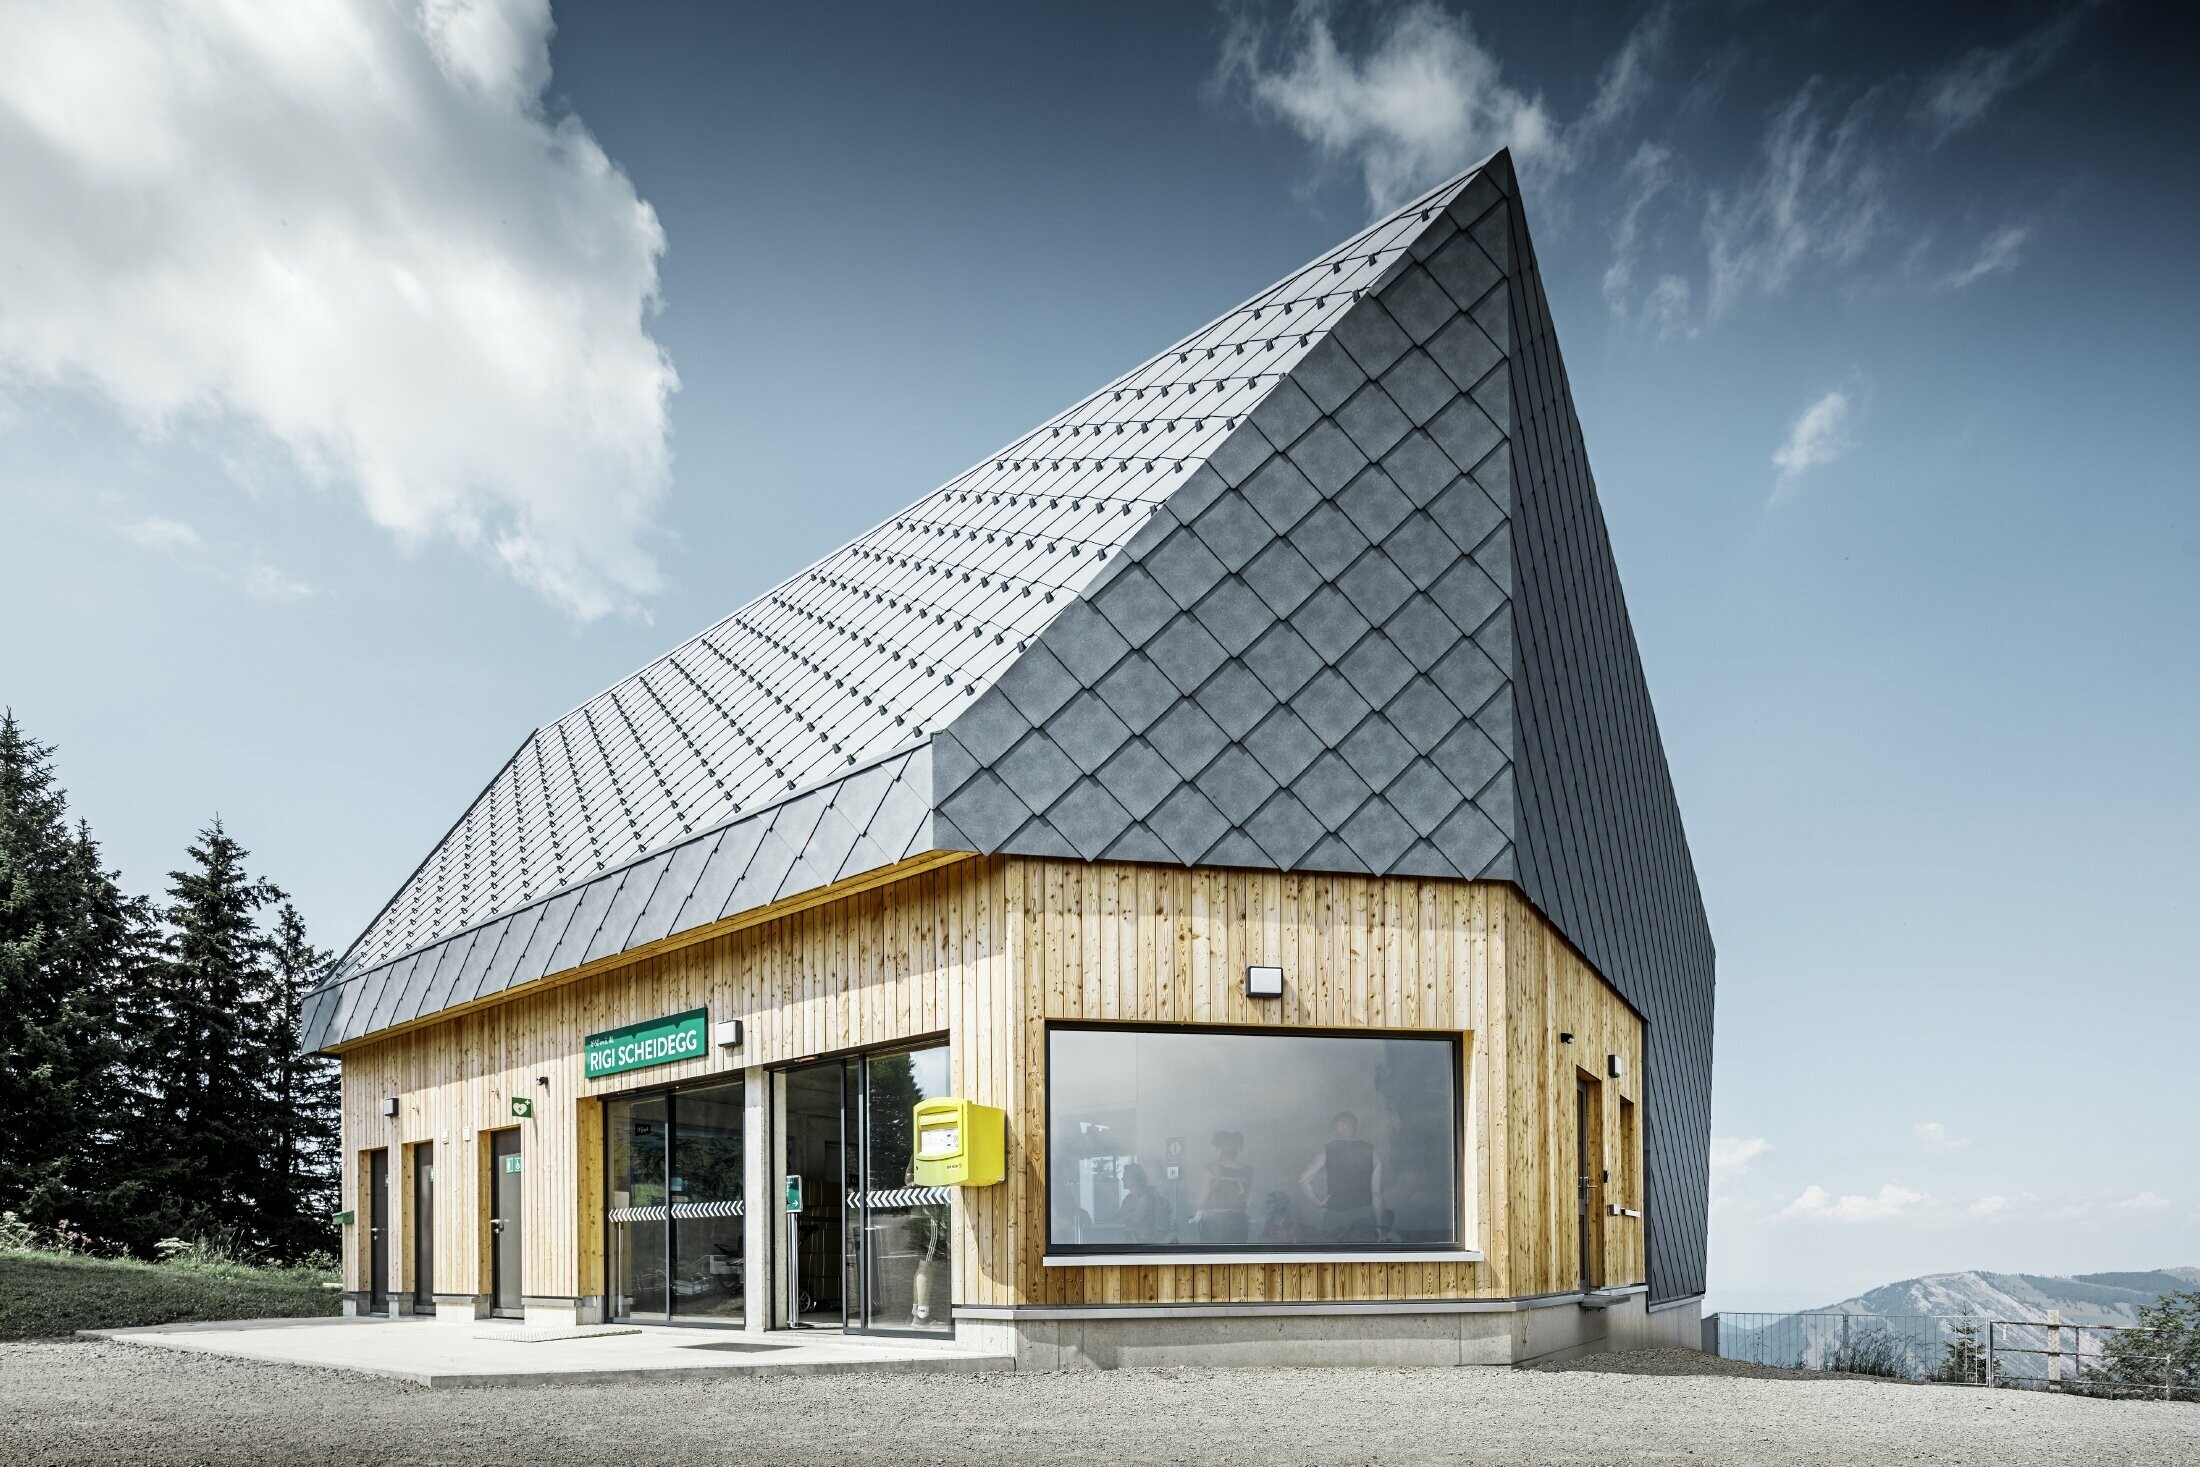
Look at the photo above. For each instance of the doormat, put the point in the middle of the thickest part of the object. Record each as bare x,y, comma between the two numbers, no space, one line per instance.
539,1336
736,1346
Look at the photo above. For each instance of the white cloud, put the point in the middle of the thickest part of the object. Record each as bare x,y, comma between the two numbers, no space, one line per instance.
1731,1159
2141,1202
1731,1156
1997,255
1819,435
1815,1204
156,533
213,559
1961,94
1665,309
1935,1139
1425,101
1424,98
1816,196
270,584
1648,174
352,227
1991,1206
1626,81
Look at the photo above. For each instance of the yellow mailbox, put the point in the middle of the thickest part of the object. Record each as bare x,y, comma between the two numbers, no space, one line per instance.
960,1143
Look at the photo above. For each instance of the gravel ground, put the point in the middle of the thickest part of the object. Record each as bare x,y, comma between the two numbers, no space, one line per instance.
111,1403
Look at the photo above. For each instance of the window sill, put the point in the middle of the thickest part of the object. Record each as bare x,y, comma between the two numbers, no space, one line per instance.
1290,1255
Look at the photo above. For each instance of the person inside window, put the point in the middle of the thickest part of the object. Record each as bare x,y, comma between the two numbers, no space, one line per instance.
1144,1212
1226,1194
1351,1182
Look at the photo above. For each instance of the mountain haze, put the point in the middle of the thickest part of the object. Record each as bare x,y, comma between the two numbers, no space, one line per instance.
2086,1298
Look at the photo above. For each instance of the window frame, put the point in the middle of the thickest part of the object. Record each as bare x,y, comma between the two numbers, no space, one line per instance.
1092,1255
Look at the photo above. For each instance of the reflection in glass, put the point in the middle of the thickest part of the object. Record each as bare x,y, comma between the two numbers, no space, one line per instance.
1186,1139
672,1185
634,1153
705,1187
906,1238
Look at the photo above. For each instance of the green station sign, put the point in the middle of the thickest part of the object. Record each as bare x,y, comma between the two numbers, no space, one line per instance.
652,1042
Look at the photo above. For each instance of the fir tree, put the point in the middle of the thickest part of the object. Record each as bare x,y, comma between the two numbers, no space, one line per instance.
1963,1353
62,932
205,1054
301,1101
2159,1355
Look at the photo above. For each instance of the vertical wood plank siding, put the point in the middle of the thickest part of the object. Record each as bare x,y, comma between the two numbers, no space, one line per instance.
986,952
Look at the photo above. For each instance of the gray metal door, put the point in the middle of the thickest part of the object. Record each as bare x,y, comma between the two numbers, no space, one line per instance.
423,1227
378,1229
507,1248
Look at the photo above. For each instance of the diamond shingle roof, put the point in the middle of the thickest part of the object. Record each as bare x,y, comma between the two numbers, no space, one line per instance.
881,642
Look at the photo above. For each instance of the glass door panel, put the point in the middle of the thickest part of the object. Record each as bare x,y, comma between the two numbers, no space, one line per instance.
908,1280
707,1278
637,1134
814,1102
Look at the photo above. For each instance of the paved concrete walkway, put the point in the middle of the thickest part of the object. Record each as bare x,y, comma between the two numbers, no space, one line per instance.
502,1352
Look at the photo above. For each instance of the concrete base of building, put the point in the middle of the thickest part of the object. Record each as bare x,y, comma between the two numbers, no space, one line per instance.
550,1311
361,1305
461,1308
1390,1334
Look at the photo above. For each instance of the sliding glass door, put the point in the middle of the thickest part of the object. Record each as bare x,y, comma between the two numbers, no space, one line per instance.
872,1250
907,1265
674,1162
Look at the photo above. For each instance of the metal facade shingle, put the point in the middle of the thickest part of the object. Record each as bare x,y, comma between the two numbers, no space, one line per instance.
1360,707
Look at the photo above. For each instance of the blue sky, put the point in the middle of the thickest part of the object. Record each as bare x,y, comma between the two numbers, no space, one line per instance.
362,414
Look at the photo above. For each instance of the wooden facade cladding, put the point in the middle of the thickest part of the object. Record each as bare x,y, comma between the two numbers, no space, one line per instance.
986,951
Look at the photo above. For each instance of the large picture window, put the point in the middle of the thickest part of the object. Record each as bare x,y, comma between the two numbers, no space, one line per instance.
1174,1140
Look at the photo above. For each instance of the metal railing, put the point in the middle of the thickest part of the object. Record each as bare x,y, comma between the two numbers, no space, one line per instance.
1897,1346
2023,1354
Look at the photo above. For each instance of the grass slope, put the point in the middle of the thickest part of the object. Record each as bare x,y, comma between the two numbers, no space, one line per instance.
47,1296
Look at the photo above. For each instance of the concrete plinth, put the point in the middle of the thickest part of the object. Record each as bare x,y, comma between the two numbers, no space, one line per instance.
1388,1335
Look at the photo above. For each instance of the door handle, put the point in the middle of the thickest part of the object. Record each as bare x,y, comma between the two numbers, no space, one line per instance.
496,1224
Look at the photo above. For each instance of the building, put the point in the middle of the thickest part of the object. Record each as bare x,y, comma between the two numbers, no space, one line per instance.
1246,781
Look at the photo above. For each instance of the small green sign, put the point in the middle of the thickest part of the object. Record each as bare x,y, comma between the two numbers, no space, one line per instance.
511,1163
794,1192
523,1106
346,1218
653,1042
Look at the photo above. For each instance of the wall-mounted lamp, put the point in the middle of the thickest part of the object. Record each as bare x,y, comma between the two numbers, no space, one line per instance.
1263,982
1565,1039
543,1081
389,1106
1612,1066
728,1033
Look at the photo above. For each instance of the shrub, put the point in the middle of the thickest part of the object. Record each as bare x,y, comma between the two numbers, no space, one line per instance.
1872,1352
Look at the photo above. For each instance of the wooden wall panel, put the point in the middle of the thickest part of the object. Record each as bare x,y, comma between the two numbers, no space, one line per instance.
881,966
987,951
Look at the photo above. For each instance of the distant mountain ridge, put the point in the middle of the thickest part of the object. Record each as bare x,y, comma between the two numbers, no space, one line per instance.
2086,1298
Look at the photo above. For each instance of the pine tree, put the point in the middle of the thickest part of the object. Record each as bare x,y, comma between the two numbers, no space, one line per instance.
30,839
59,945
204,1054
1963,1354
300,1099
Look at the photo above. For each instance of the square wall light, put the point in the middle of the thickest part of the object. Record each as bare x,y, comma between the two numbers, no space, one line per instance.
728,1033
1263,982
